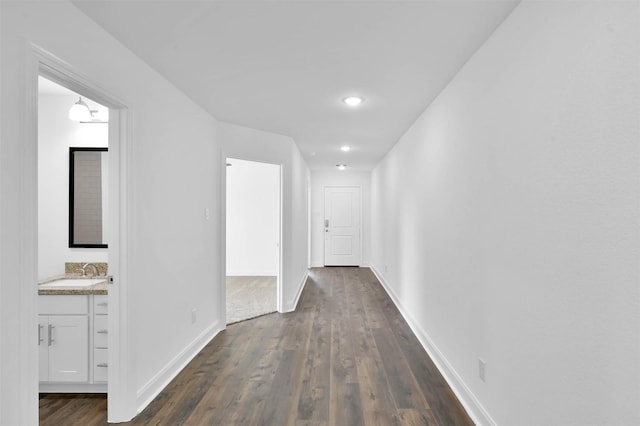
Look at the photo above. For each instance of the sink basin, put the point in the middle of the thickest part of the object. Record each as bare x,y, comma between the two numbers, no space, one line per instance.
74,282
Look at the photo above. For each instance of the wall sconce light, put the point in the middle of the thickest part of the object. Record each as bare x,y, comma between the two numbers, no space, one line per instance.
81,112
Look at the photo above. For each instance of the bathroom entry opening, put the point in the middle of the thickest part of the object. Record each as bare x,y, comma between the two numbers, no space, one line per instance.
72,363
253,229
53,81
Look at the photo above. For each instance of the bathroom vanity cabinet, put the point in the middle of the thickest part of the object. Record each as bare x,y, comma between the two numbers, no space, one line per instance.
63,339
72,339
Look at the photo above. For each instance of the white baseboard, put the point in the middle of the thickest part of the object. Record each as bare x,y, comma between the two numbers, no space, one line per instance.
320,264
476,411
72,388
292,304
153,387
252,273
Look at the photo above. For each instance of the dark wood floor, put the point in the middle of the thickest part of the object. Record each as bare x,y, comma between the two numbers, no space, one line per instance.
345,357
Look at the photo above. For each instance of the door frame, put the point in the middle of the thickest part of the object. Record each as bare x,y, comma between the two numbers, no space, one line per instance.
223,231
121,380
360,233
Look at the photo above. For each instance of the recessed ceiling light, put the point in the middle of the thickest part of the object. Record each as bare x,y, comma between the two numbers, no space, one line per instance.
341,166
345,148
353,100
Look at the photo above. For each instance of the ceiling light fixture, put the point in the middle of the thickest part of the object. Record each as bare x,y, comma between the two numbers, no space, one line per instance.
80,111
345,148
353,100
341,166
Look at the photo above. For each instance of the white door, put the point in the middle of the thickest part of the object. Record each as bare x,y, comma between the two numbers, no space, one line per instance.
342,226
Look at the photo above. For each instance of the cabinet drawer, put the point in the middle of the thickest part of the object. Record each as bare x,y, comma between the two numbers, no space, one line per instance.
100,331
100,304
100,365
63,305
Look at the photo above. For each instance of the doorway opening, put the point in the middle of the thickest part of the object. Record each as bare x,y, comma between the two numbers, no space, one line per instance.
73,232
253,212
113,310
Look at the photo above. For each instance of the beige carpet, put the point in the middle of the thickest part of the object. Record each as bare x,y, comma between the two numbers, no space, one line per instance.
249,297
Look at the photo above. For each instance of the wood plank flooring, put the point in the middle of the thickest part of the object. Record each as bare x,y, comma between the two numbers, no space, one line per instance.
344,357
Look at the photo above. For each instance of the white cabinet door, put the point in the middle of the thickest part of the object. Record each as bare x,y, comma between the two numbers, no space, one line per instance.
342,226
43,348
69,348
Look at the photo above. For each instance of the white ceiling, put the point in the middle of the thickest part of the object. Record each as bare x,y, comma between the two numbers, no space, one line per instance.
48,87
284,67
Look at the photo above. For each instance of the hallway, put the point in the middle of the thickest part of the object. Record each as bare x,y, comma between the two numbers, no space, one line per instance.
344,357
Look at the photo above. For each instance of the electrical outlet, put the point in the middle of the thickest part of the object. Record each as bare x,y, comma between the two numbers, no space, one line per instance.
482,369
193,315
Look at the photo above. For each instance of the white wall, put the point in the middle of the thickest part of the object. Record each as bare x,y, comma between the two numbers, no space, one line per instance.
322,178
255,145
173,253
505,221
56,133
253,218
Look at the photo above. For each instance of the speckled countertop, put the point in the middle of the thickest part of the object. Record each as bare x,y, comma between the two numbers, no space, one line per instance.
99,288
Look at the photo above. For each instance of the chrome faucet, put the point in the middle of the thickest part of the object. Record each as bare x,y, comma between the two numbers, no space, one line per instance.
84,269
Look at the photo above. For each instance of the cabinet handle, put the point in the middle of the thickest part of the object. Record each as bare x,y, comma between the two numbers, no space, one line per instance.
40,339
103,304
103,364
102,331
50,332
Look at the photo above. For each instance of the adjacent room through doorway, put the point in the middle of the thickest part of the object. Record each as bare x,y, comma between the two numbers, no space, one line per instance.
73,242
253,239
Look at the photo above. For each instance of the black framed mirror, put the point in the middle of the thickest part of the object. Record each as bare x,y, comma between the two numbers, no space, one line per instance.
88,197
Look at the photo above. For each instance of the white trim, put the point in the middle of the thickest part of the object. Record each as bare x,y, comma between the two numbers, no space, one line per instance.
293,304
73,387
121,385
27,247
153,387
317,264
280,278
251,273
472,405
222,288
